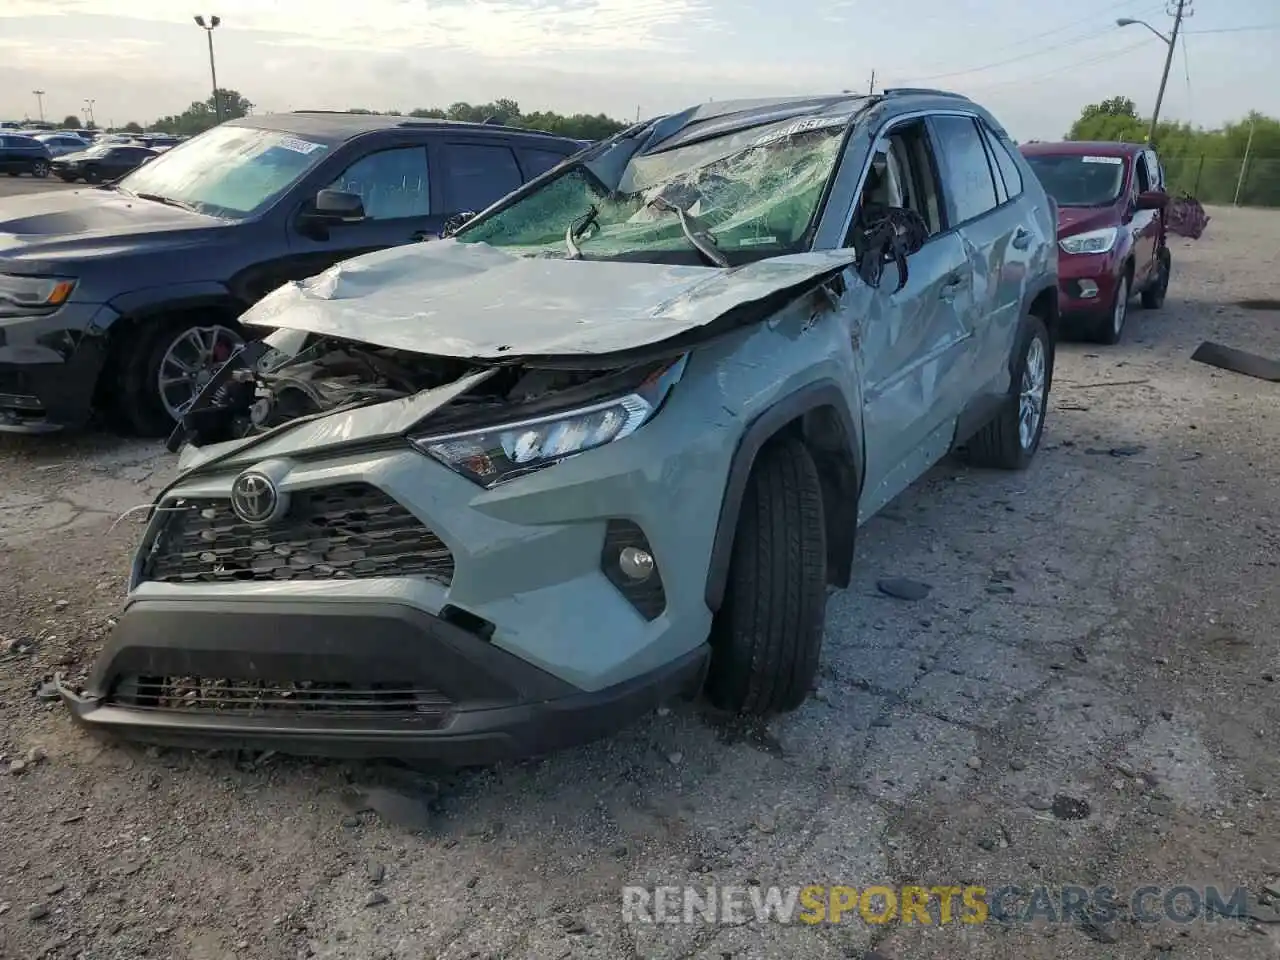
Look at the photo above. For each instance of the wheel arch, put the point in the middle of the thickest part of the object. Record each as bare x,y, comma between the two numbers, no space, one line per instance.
135,311
818,414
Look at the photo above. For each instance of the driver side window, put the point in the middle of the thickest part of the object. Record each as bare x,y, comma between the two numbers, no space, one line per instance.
392,183
902,176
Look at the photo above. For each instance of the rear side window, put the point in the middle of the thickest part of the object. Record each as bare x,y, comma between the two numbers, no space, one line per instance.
538,162
1008,166
967,178
477,175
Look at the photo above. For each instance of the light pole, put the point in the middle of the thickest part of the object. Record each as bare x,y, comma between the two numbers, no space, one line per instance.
40,102
88,111
1171,42
208,29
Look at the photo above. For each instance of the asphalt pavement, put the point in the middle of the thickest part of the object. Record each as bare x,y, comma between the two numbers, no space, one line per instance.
23,185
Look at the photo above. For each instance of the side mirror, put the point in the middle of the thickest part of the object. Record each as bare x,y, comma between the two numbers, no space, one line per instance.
337,206
455,223
1151,200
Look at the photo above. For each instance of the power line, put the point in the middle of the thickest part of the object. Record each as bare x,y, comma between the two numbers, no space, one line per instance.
1040,51
1186,71
1258,26
1109,55
1073,24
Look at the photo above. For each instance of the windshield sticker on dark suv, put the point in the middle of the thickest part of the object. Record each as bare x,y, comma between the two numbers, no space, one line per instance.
299,146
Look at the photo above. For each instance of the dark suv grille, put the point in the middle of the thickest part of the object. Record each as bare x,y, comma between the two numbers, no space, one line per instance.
347,532
247,698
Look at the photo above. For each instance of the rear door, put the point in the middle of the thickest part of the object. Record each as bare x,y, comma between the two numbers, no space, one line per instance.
476,173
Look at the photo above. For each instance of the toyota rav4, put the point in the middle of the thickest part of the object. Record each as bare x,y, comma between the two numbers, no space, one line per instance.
607,444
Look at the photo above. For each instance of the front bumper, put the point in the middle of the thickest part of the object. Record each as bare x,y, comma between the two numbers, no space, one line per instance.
49,367
1087,285
381,680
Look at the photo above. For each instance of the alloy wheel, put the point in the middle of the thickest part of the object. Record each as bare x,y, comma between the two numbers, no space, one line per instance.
1121,309
1032,394
190,361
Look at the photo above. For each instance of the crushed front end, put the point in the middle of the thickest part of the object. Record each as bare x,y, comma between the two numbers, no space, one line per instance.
372,562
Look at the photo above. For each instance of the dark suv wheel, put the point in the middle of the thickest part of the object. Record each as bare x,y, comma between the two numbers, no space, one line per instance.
164,365
768,633
40,169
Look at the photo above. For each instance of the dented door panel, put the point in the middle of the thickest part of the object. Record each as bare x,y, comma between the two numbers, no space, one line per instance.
913,350
1000,271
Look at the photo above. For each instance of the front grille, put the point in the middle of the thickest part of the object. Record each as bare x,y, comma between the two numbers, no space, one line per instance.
346,532
256,698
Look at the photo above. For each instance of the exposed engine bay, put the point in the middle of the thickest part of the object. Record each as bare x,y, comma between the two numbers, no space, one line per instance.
263,387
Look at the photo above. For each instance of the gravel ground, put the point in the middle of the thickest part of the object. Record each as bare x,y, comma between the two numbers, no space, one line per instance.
1102,628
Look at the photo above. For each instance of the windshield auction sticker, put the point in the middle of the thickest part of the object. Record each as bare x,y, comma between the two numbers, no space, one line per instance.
298,146
1115,161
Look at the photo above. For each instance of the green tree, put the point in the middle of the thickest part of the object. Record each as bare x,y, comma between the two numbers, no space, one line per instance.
132,127
1114,119
1206,163
70,122
202,115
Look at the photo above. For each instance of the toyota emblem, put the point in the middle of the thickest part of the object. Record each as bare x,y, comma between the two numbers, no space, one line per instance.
254,498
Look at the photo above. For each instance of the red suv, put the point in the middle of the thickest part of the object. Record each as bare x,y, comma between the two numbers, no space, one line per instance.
1111,230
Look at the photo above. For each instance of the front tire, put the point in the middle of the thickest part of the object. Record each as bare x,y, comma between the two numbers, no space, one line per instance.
1153,296
1111,327
1010,440
40,169
152,381
91,175
767,636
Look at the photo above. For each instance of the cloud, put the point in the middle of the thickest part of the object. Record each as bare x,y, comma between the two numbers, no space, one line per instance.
76,56
507,28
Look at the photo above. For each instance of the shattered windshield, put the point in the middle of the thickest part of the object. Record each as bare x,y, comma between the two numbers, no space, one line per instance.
748,194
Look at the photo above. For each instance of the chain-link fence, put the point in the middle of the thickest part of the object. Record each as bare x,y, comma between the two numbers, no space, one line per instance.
1220,179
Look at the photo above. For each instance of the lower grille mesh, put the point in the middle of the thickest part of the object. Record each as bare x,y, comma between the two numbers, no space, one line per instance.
345,532
231,697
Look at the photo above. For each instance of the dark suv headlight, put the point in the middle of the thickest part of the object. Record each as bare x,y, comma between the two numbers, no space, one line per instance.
33,293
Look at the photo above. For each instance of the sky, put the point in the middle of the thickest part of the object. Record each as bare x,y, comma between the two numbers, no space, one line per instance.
1034,63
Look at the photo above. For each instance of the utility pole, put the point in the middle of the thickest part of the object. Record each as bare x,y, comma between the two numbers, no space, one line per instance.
40,102
1168,62
871,90
88,111
1244,164
213,71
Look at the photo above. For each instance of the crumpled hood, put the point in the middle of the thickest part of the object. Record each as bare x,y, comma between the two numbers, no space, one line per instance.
90,222
475,301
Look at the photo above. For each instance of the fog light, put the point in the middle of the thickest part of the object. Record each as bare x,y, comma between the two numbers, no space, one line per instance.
627,559
636,563
1088,289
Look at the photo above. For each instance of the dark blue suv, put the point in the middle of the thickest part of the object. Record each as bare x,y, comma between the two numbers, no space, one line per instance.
123,299
22,154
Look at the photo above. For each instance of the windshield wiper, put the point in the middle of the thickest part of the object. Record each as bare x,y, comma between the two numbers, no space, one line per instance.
576,229
702,241
168,201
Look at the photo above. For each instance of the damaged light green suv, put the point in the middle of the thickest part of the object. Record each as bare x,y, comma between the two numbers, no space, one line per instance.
610,442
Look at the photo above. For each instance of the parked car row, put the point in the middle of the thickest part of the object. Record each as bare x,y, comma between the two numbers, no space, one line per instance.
75,155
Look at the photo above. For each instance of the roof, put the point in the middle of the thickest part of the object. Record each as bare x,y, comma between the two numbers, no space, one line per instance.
1078,148
336,126
717,118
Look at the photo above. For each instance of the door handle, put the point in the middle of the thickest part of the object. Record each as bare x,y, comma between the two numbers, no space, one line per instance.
954,283
1021,238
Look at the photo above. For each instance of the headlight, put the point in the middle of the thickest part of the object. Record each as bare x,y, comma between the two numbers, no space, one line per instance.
34,292
493,455
1095,241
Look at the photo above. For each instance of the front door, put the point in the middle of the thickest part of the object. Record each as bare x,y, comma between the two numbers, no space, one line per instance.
912,343
1144,224
395,188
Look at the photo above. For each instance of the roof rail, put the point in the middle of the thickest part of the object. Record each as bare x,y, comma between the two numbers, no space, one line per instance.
922,92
